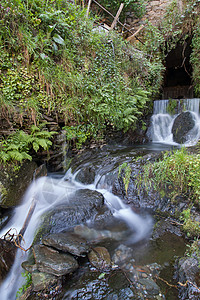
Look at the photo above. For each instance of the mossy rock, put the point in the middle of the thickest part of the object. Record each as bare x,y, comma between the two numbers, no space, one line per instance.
14,181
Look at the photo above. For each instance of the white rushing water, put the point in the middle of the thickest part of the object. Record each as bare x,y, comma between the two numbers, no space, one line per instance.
160,130
49,192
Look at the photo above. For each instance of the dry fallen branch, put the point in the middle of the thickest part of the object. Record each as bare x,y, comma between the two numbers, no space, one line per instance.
179,283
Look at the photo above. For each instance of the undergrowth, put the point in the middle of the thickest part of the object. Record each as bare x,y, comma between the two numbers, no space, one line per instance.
54,62
176,173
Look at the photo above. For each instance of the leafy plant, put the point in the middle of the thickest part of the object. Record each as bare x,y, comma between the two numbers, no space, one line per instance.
26,285
190,226
19,144
177,173
193,250
126,175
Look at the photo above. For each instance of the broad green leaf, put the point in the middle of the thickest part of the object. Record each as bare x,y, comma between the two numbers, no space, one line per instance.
58,39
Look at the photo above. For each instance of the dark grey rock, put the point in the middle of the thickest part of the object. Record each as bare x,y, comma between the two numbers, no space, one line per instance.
51,261
7,256
188,271
86,175
82,206
150,286
122,254
67,242
42,280
183,123
12,180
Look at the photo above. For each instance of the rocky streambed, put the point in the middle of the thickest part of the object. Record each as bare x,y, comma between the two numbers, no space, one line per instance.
85,246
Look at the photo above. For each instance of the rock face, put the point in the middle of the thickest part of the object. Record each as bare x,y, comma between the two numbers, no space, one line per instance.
7,256
67,242
52,262
13,183
183,123
188,271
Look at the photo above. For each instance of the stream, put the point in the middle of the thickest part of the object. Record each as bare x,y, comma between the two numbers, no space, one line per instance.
128,227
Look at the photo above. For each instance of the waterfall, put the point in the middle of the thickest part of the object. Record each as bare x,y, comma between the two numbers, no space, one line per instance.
48,192
162,121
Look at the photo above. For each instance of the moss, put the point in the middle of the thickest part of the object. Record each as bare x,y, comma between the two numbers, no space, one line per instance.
172,107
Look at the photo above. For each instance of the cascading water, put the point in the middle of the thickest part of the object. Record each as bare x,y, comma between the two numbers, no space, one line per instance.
160,130
48,192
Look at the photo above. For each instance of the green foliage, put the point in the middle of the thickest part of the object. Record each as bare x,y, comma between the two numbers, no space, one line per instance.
190,226
26,285
177,173
193,250
138,7
126,174
54,62
78,135
195,60
19,144
172,106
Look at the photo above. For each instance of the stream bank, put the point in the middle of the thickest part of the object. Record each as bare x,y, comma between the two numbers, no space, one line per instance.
147,265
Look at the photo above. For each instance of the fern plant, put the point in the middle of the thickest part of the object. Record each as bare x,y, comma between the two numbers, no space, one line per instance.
18,145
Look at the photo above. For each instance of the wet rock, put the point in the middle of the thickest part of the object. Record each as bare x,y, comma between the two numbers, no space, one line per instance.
7,256
82,206
29,267
51,261
188,272
149,286
94,235
183,123
67,242
15,179
87,198
86,175
5,215
122,254
118,280
163,226
42,281
99,257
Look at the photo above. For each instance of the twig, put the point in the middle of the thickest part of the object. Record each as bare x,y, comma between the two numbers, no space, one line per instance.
117,16
165,281
179,283
88,8
134,35
188,281
117,20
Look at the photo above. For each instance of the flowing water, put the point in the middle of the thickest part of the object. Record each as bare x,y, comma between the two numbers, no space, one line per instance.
162,121
48,192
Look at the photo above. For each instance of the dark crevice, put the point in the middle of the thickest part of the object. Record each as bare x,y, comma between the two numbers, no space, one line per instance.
178,74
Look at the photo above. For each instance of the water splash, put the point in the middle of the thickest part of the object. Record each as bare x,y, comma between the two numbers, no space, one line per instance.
48,192
160,130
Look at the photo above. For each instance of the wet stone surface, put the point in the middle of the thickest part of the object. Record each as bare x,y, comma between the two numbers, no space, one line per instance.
52,262
99,257
7,256
67,242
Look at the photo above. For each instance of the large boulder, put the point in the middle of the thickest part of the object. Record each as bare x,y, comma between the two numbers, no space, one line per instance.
183,123
82,206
